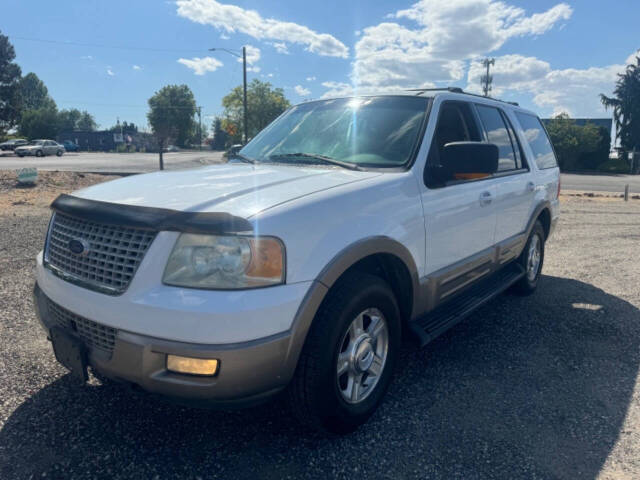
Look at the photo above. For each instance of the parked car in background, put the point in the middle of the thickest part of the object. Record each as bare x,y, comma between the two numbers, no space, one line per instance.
40,148
13,144
69,146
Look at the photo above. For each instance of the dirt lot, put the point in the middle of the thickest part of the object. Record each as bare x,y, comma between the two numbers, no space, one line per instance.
538,387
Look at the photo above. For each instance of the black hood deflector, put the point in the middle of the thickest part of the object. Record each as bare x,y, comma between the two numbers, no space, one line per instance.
151,218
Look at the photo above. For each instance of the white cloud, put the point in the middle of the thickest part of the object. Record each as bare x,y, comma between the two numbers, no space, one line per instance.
311,79
436,40
253,55
572,90
231,19
200,66
224,36
281,47
269,75
300,90
87,57
137,67
110,72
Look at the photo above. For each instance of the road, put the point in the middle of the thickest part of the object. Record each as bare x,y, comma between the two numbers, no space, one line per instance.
148,162
600,183
112,162
544,386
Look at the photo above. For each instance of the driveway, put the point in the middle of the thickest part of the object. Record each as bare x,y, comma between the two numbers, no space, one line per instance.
544,386
112,162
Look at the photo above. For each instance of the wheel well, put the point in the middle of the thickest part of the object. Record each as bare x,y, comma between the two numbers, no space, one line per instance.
545,220
392,270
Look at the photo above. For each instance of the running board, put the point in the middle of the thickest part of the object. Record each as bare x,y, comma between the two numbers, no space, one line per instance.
438,321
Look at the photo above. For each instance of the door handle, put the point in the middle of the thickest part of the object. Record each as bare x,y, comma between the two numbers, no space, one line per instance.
531,186
485,198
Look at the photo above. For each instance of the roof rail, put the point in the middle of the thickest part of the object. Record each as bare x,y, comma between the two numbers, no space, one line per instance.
420,91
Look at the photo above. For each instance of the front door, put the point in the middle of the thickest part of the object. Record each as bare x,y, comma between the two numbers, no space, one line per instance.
460,218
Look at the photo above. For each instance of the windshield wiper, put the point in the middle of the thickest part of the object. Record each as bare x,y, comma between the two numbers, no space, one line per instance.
322,158
244,158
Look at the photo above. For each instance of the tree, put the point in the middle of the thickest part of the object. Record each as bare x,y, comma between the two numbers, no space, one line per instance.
264,103
125,128
578,147
34,93
75,120
171,115
219,135
9,86
86,122
40,123
626,108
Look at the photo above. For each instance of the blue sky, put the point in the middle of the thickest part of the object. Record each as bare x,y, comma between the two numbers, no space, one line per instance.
550,56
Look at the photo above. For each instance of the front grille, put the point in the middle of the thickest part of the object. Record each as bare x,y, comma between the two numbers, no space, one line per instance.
94,335
113,256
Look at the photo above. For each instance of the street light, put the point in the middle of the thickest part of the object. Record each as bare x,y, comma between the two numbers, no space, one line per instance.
244,84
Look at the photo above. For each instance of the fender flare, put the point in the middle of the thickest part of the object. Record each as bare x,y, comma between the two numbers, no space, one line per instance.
339,264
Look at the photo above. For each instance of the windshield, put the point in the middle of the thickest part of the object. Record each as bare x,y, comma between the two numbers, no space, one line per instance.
36,142
364,131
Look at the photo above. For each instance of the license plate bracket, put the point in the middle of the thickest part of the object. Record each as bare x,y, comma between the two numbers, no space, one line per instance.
70,352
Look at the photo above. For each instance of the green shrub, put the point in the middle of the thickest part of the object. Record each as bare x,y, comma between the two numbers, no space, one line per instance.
615,165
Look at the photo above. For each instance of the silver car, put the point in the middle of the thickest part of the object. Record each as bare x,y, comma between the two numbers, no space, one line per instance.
40,148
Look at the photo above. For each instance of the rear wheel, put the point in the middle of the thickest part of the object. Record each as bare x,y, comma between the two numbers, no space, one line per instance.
39,153
349,355
531,260
59,153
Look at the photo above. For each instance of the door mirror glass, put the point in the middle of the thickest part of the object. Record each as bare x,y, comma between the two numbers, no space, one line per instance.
469,160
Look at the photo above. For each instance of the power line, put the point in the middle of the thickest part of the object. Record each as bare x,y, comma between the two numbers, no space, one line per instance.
97,45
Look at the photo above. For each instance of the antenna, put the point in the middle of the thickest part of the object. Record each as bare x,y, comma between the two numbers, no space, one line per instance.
487,79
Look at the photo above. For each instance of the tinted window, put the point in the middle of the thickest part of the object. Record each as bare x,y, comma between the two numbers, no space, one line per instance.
538,140
521,163
455,124
498,135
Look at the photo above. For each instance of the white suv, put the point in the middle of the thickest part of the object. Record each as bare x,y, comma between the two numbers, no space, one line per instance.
298,264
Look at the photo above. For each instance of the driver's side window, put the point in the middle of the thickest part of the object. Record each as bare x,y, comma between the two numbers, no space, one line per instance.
456,123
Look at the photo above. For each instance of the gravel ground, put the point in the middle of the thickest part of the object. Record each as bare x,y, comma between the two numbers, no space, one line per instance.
537,387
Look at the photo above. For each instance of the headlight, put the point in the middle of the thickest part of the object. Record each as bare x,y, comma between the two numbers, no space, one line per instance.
225,262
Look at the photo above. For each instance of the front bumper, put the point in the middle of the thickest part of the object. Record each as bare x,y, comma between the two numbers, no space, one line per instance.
249,371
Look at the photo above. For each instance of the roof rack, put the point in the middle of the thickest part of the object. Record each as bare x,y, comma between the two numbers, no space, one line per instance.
420,91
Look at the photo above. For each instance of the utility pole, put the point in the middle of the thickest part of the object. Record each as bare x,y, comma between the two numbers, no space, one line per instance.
199,128
244,99
487,79
244,85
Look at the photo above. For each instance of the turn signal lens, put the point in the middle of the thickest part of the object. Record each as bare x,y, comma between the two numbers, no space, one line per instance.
192,366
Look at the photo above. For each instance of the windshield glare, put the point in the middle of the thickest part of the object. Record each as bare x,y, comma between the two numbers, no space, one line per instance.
367,131
36,142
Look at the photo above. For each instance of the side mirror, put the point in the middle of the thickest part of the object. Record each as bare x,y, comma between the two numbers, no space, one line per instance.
469,160
235,149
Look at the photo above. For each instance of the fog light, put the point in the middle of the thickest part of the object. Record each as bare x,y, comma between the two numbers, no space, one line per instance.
192,366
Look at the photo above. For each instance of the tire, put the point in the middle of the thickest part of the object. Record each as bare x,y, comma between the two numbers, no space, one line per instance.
318,392
39,153
21,155
59,153
528,284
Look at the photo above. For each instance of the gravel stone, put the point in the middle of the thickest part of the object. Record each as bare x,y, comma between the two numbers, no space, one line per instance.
544,386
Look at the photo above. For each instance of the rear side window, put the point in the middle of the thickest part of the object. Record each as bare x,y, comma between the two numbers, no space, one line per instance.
497,134
538,140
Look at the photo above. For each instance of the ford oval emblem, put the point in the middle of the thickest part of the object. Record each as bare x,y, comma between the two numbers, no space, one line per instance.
78,246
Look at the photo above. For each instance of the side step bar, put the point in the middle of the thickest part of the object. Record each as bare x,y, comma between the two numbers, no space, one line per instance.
441,319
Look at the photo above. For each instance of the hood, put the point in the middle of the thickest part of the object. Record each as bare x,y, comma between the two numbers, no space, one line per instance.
236,188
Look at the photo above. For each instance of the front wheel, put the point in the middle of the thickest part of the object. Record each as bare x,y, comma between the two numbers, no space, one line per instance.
531,260
39,153
349,355
59,153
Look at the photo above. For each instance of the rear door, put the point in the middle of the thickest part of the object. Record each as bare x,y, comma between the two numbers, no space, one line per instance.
515,187
460,217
